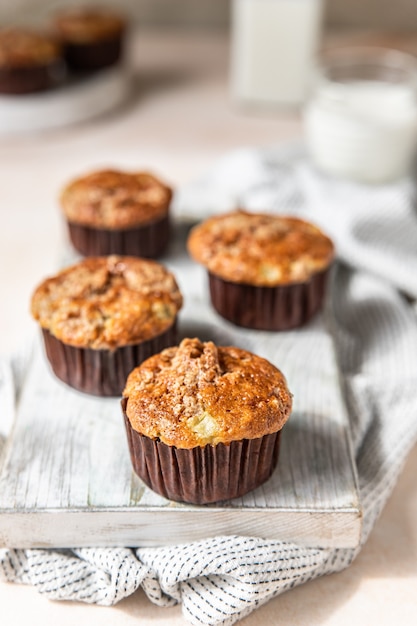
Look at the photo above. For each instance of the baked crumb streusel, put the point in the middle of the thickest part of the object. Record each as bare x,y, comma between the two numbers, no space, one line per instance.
197,393
22,48
107,302
260,249
112,199
88,24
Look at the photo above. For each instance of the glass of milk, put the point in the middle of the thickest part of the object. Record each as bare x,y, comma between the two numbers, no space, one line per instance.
361,120
273,47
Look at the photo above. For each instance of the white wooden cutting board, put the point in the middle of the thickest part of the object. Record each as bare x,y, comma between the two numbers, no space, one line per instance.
66,478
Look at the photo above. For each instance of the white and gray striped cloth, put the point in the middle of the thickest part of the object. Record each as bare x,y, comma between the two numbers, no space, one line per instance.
220,580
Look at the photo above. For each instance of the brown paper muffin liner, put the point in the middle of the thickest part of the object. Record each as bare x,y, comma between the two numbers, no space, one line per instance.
149,240
94,55
268,308
202,475
101,372
22,80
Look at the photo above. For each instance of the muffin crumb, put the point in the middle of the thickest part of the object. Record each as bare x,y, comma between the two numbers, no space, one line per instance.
107,302
260,249
198,394
111,199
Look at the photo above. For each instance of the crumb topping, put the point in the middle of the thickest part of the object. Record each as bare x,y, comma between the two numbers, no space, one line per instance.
197,393
107,302
85,25
23,48
115,200
260,249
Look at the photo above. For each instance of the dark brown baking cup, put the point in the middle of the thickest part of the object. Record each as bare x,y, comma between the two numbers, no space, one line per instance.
94,55
22,80
268,308
149,240
206,474
101,372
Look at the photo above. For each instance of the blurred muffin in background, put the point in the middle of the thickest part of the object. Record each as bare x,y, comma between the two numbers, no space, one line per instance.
114,212
30,61
92,37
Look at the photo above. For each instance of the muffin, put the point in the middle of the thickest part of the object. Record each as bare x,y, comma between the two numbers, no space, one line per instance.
114,212
203,422
266,272
29,61
103,316
92,37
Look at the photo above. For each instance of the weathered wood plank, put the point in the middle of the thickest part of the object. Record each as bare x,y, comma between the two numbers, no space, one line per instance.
147,527
66,479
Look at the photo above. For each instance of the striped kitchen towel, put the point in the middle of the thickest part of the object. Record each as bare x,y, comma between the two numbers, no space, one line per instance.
222,579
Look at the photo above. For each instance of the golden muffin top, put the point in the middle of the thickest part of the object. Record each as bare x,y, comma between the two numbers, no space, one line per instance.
260,249
107,302
111,199
88,24
197,393
25,48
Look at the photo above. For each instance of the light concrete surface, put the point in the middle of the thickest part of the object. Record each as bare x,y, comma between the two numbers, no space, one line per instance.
178,121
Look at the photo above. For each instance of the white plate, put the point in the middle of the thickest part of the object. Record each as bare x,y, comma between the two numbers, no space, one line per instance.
79,100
